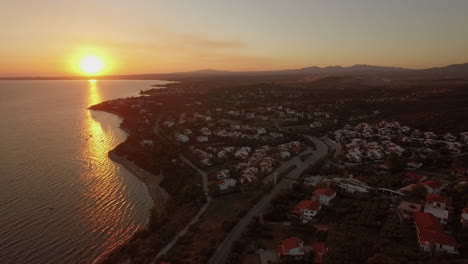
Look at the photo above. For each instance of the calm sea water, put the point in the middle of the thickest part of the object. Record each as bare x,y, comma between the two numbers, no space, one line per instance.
61,199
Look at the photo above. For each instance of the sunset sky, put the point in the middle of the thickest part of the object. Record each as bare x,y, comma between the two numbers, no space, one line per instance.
49,37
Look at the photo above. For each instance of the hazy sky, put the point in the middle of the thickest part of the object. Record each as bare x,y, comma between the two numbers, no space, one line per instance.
48,37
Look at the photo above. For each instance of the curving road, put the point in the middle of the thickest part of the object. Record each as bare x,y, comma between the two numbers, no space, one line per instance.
204,178
221,253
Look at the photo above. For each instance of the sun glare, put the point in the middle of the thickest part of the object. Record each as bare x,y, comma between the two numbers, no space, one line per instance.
91,65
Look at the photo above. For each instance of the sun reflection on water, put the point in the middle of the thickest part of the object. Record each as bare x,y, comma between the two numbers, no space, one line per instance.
103,193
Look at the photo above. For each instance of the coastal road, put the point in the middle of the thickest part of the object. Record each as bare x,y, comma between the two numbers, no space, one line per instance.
201,172
224,248
204,177
183,231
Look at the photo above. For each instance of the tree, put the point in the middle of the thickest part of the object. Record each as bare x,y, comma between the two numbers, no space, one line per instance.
418,192
396,162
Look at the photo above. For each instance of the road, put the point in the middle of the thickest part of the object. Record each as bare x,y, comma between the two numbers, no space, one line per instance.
224,248
183,231
201,172
285,165
204,178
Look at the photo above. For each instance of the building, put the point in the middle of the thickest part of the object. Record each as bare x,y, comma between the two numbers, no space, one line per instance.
325,195
351,185
431,235
305,210
226,184
433,186
291,247
464,217
182,138
202,139
222,174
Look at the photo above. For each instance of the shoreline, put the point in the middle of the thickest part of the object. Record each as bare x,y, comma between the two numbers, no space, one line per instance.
156,192
158,195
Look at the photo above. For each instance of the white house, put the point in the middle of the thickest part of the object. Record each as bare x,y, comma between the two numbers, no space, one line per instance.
431,234
293,247
227,183
438,206
168,123
222,174
325,195
146,143
202,139
261,131
182,138
284,154
305,210
464,217
433,186
242,153
205,131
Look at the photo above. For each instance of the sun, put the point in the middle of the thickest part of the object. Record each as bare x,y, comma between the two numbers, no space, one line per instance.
91,65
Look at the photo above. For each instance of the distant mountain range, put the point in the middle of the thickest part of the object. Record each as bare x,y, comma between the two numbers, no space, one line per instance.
455,70
308,70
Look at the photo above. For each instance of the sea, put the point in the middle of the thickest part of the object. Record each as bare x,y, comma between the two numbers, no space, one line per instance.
62,200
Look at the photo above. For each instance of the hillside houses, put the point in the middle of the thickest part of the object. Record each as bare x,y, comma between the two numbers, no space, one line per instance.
248,164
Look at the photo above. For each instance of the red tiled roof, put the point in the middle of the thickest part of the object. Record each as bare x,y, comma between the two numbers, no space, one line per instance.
324,192
427,221
307,205
436,198
431,230
433,184
288,244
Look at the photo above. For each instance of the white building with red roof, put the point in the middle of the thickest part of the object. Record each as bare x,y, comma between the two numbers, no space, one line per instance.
226,184
325,195
438,206
433,186
305,210
431,234
292,247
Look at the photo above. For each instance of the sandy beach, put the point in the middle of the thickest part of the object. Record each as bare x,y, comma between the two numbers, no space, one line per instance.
157,193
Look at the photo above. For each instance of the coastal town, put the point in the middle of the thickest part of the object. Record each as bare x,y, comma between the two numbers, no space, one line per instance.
332,171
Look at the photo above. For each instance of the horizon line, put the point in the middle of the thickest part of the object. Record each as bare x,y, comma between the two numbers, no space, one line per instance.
83,77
